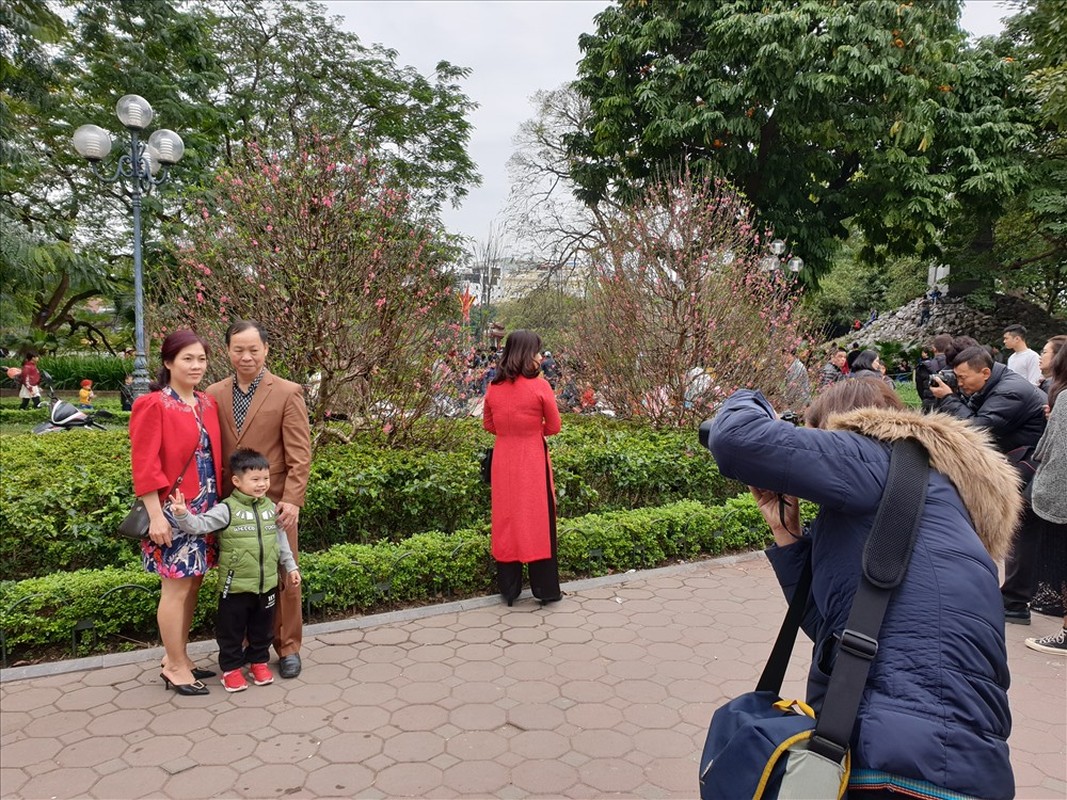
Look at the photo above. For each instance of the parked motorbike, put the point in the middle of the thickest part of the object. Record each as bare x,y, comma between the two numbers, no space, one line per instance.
64,416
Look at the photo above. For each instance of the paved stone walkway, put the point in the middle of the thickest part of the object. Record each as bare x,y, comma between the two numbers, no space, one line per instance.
606,694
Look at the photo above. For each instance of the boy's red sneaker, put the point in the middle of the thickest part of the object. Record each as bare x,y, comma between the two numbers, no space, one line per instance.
261,674
234,681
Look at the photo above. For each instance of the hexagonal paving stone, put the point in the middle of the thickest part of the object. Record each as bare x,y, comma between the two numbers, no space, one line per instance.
544,777
30,751
473,745
223,749
423,692
529,716
415,746
118,723
340,780
22,697
350,748
159,750
601,744
360,718
131,782
476,777
86,698
287,748
269,780
409,780
419,717
242,720
92,751
539,744
181,721
477,717
62,782
613,775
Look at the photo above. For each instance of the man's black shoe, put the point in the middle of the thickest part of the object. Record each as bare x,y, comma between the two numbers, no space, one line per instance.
289,666
1017,616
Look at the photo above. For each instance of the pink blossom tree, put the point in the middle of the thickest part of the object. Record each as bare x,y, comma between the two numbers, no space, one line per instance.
320,246
682,308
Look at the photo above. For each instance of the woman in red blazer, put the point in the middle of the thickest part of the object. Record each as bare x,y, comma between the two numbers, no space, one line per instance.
174,432
520,410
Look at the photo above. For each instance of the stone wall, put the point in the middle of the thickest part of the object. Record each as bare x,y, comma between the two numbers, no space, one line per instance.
954,316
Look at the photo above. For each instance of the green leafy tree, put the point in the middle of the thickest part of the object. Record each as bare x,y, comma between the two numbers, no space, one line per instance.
819,111
289,69
1032,234
219,72
67,238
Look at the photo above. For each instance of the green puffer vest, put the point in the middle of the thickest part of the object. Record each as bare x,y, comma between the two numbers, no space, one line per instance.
248,547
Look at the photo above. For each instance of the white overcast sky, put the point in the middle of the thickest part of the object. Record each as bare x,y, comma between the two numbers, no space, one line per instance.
515,48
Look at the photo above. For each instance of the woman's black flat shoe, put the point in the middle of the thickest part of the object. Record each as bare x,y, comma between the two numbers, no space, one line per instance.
185,689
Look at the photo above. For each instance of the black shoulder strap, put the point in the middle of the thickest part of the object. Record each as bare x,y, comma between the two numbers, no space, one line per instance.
885,562
774,672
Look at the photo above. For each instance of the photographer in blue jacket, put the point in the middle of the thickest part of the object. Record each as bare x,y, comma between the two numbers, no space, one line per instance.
934,714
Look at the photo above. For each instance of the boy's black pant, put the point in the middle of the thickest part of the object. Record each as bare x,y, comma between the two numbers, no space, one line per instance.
245,616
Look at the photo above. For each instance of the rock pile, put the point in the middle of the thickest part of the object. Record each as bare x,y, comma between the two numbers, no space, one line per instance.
954,316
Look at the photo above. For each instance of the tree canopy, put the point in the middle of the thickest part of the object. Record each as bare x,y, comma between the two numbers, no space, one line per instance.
821,112
219,72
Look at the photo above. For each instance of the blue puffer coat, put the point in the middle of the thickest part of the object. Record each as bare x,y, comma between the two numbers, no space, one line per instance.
936,705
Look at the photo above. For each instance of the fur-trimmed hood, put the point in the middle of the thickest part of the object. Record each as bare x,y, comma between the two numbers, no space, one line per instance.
988,485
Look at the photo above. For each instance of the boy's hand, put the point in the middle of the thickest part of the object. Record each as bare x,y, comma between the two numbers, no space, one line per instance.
294,578
177,503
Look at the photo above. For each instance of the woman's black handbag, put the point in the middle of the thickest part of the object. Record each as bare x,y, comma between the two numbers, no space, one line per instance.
487,466
135,524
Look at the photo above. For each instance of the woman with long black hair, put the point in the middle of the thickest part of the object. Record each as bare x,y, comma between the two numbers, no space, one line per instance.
520,410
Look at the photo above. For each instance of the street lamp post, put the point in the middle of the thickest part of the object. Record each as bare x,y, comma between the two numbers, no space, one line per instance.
778,261
146,165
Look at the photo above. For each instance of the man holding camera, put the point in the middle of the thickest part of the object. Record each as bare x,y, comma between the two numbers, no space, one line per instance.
1012,409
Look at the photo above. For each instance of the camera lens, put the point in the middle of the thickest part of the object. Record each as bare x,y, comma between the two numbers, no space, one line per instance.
704,432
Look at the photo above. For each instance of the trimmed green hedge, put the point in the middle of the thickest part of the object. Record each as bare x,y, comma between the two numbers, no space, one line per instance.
356,578
63,494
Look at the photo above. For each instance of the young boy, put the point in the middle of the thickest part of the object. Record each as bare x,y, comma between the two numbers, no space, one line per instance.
251,545
86,395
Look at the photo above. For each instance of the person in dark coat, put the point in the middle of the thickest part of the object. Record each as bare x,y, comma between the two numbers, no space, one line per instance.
520,411
991,396
934,714
929,367
1013,411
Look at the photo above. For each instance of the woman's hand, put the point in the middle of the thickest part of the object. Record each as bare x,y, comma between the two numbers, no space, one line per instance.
775,513
159,530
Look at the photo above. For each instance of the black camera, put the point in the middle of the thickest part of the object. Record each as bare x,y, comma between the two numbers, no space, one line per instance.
948,377
704,432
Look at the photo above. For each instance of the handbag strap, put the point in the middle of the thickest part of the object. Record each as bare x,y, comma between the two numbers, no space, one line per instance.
886,551
192,455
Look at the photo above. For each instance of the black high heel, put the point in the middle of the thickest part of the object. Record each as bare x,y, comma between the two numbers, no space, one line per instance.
193,689
199,674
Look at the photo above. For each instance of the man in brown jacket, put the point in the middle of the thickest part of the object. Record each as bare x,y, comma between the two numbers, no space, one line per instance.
260,411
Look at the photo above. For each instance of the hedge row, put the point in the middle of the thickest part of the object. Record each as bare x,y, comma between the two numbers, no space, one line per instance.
64,494
358,578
